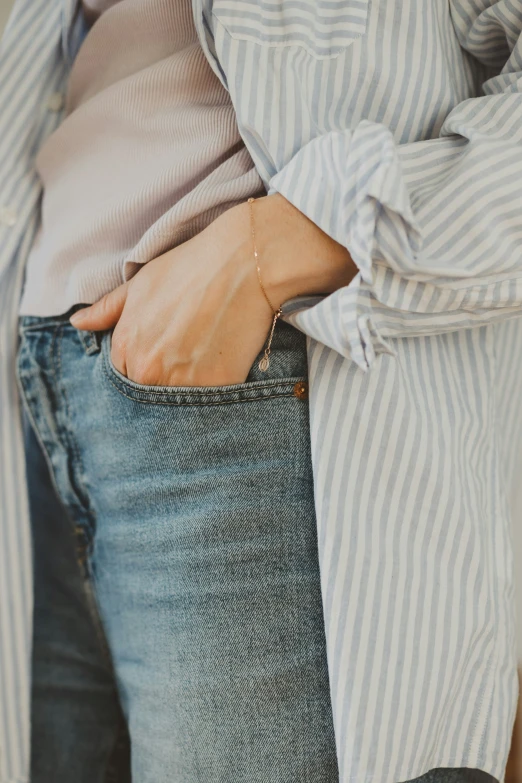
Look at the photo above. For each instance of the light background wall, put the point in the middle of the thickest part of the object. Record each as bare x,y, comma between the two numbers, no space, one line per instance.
5,7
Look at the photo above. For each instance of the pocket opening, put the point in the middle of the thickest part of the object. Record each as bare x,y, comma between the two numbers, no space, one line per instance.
196,395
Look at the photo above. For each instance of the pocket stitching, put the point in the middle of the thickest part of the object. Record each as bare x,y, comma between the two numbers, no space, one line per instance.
172,403
124,387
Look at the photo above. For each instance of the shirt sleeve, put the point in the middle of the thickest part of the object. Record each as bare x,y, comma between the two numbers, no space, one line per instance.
434,227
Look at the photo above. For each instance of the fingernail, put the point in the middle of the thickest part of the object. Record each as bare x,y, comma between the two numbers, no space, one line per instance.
77,317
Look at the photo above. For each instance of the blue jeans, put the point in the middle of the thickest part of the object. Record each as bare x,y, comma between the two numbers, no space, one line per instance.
178,630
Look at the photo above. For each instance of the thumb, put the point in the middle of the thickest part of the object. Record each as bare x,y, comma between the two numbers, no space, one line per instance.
104,314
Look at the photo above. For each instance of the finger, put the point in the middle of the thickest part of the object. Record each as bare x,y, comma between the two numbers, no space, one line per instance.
118,352
104,314
119,363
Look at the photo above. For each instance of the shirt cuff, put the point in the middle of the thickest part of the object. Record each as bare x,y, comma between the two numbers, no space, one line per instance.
345,182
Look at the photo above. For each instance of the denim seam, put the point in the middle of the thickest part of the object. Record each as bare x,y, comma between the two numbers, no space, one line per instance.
72,445
66,430
88,587
40,324
36,426
172,403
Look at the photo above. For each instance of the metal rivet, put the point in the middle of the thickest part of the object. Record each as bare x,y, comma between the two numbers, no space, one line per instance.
301,390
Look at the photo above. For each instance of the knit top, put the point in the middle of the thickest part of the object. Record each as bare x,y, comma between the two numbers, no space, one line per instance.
147,155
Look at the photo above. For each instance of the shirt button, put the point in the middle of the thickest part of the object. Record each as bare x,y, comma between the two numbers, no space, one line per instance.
8,216
55,101
301,390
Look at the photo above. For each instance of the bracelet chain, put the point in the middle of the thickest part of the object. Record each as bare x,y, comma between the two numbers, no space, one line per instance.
265,361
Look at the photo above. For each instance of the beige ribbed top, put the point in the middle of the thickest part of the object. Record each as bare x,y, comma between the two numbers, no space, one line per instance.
147,155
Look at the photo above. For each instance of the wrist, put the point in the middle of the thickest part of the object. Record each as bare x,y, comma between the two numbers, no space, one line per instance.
296,257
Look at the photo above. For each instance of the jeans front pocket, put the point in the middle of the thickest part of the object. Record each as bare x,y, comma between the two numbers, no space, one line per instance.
287,377
323,28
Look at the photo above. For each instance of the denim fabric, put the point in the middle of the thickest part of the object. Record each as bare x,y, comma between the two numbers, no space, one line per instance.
77,725
176,574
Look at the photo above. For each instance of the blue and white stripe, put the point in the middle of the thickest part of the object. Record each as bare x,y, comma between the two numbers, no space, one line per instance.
396,126
31,68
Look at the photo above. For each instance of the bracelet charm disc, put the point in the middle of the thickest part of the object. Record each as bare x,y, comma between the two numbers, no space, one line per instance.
264,363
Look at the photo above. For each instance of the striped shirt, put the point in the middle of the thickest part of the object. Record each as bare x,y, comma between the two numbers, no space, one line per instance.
396,126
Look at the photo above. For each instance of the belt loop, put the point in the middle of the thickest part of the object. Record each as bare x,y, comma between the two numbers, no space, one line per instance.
91,341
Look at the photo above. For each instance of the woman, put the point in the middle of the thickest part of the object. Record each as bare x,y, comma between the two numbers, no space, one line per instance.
165,373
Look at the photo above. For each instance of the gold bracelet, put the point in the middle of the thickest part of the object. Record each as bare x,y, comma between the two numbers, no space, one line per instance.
265,361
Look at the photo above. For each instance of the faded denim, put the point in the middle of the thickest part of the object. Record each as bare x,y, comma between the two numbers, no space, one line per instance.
177,584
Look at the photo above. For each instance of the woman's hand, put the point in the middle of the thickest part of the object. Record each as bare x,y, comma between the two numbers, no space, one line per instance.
196,315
